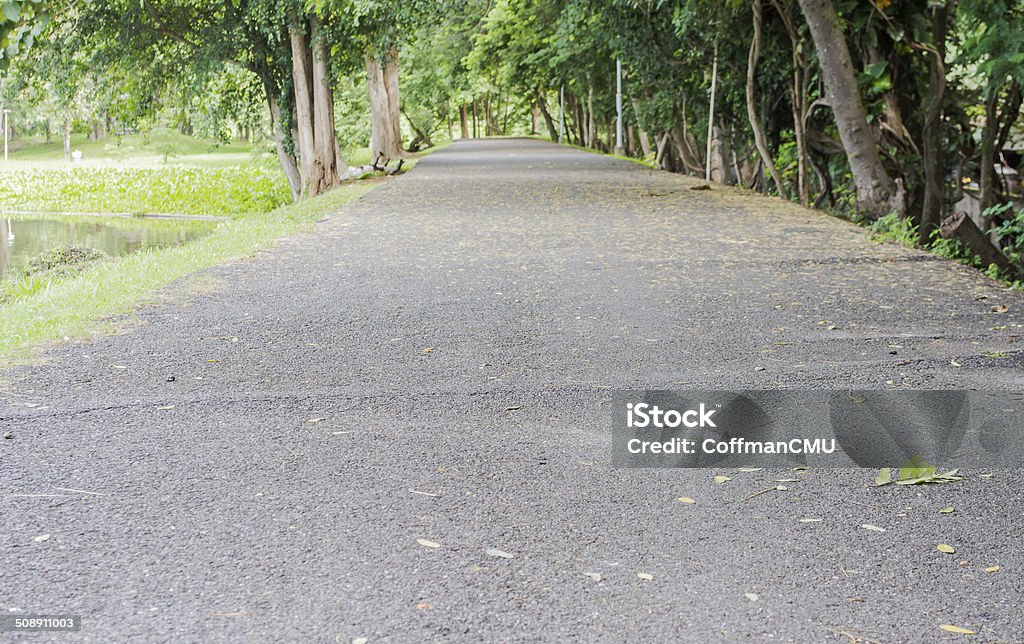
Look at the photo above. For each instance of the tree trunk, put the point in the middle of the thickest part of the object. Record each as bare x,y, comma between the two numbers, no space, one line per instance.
301,74
476,129
382,84
960,226
934,168
711,111
287,161
876,191
987,179
550,122
325,138
67,140
798,101
645,140
691,164
590,117
755,123
662,154
463,124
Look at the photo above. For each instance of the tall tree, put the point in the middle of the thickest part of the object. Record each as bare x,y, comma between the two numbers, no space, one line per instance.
876,191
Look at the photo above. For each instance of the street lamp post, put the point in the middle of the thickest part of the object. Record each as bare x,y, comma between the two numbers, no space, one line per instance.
618,107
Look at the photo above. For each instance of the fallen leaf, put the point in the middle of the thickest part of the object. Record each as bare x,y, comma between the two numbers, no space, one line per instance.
868,526
722,478
949,628
750,469
361,640
428,544
810,520
427,350
593,575
494,552
686,499
424,606
1000,308
955,363
884,477
992,569
787,480
316,420
41,538
165,407
645,576
513,408
947,510
946,548
751,596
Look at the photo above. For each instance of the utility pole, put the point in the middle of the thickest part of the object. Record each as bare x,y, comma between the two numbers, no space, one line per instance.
618,107
561,114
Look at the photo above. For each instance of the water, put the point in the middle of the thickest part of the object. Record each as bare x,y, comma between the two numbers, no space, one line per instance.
23,239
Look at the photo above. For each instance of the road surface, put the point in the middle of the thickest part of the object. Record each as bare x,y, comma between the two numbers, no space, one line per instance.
257,462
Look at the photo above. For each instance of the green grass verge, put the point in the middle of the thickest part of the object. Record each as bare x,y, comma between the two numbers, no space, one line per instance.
149,148
257,188
75,308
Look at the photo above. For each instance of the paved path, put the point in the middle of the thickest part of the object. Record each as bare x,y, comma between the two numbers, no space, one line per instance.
241,466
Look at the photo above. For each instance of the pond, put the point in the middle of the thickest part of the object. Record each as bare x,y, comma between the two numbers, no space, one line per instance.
22,239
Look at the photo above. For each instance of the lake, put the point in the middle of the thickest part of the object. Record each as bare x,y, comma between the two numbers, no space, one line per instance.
22,239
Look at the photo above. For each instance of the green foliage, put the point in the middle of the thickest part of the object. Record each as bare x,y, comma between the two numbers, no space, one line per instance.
21,21
175,190
1010,232
893,228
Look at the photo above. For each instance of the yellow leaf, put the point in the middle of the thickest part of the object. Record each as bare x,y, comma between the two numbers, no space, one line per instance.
992,569
956,629
686,499
946,548
722,479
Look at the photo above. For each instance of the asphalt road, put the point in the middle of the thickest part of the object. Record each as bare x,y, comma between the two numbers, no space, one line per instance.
256,462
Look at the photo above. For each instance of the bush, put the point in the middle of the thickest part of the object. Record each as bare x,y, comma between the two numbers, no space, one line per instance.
62,262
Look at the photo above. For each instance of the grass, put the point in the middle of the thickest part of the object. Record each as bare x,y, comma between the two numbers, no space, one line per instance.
74,308
153,148
171,189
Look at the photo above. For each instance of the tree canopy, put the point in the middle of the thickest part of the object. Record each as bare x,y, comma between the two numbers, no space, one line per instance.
866,108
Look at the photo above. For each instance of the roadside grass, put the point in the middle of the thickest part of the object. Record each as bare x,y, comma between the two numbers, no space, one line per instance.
76,308
152,148
893,229
256,188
